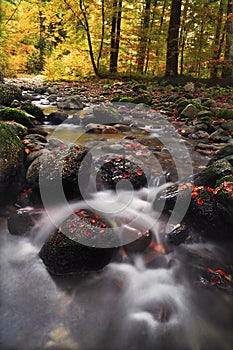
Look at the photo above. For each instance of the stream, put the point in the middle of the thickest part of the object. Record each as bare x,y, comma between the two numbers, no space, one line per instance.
159,299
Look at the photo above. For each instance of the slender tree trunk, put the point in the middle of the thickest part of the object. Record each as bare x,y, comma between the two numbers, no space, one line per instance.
102,35
157,52
115,35
217,46
173,39
228,57
150,36
87,29
143,42
183,36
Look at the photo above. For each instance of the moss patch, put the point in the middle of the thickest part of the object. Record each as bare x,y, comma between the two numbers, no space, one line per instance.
15,115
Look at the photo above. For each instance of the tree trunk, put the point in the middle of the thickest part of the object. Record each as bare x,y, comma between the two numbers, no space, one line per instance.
143,42
102,34
183,36
173,38
115,35
150,36
217,44
228,57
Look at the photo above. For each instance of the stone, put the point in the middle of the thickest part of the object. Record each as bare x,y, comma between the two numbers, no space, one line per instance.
209,103
57,117
145,99
71,102
34,111
227,125
214,172
20,130
189,87
73,248
118,170
189,111
100,129
205,113
12,168
68,165
21,222
13,114
106,115
9,93
219,135
178,234
224,113
200,134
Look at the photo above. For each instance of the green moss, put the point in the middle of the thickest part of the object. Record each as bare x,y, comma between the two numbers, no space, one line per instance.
126,99
33,110
10,145
9,93
9,114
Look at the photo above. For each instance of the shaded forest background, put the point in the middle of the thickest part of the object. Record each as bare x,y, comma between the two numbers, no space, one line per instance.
68,39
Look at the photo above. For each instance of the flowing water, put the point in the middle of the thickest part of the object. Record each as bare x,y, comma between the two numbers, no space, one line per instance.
152,300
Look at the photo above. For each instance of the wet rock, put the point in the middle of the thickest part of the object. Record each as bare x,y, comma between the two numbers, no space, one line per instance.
11,164
57,117
9,93
214,172
74,248
205,113
178,235
37,131
72,102
35,137
189,87
21,222
209,102
68,165
209,216
122,171
122,127
13,114
140,244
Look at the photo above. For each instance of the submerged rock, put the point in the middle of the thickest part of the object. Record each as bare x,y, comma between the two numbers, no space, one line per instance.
100,129
21,222
74,248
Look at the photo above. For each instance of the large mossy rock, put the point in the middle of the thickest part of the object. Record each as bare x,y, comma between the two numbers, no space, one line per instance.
9,93
11,164
13,114
103,115
34,111
73,248
214,172
71,102
68,165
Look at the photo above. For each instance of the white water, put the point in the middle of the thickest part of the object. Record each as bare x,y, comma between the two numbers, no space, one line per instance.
128,305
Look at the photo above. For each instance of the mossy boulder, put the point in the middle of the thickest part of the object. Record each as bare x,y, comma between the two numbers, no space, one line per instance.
224,113
20,130
214,172
106,115
13,114
11,164
63,165
145,99
33,110
9,93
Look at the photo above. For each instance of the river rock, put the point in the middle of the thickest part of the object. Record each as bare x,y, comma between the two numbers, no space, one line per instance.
34,111
66,164
21,222
20,130
73,248
57,117
219,135
118,170
9,93
13,114
71,102
100,129
106,115
189,111
12,169
214,172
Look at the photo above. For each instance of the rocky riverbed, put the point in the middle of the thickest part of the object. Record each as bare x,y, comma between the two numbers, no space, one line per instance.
107,186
